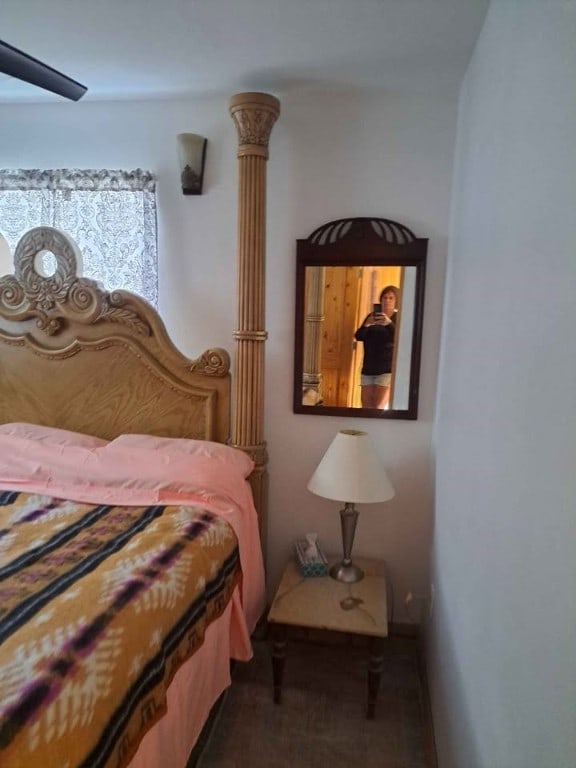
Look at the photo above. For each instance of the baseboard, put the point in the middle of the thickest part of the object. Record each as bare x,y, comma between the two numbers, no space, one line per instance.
407,631
431,753
403,630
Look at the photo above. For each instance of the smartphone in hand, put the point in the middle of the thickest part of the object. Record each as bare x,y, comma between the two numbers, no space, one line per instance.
377,309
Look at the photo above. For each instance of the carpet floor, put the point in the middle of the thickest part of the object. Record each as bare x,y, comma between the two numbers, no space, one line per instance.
321,721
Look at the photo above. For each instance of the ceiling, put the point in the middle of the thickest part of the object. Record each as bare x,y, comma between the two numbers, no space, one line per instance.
125,49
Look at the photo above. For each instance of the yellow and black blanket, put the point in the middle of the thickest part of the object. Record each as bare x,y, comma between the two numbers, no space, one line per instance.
99,606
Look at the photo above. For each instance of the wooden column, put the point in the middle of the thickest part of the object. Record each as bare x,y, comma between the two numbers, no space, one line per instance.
254,114
313,323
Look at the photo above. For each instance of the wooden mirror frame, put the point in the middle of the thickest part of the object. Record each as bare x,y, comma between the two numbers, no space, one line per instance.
357,242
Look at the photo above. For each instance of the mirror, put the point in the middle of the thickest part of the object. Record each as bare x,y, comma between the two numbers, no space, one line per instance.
353,358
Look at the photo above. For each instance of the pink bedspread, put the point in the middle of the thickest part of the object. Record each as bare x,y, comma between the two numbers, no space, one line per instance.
169,743
126,476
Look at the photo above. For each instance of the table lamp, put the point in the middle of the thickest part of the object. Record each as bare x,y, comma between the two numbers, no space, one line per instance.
350,471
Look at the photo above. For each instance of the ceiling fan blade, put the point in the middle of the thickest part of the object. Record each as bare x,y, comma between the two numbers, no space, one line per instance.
24,67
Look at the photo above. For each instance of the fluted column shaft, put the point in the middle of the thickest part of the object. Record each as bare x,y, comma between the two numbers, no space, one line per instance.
313,321
254,114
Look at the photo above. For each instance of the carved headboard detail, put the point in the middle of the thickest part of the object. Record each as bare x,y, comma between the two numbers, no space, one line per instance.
75,356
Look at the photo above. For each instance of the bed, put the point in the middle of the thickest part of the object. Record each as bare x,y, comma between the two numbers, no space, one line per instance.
132,503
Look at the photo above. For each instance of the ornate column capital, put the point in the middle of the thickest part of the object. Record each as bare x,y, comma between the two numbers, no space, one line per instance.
254,115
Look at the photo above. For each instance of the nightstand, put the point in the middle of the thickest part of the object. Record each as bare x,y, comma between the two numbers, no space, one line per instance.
327,604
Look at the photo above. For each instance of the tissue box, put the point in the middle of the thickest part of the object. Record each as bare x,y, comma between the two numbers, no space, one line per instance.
308,566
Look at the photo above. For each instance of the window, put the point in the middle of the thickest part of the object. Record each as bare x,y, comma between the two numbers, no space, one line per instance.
110,214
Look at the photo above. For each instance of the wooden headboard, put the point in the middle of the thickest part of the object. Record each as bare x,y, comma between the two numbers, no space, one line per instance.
77,357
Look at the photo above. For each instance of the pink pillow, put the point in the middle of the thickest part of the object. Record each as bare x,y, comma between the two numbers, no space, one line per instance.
177,446
51,435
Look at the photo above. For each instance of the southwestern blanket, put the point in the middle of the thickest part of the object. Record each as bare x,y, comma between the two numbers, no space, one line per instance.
99,606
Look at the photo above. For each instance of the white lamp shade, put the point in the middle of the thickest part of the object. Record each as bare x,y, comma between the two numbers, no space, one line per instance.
351,471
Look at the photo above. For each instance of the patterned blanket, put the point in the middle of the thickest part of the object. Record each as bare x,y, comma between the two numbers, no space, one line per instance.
99,606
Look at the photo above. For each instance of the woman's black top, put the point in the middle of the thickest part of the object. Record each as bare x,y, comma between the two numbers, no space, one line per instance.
378,343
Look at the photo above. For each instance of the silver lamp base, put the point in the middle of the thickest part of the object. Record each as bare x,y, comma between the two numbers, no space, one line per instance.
347,572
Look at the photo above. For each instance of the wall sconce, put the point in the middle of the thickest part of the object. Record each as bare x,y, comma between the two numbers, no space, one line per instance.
192,153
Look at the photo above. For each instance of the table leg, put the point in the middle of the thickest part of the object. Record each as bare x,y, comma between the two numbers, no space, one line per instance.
280,633
374,671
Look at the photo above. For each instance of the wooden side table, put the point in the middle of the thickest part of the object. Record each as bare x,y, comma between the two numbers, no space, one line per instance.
324,603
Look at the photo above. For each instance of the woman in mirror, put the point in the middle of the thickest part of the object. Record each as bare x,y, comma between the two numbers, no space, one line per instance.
377,333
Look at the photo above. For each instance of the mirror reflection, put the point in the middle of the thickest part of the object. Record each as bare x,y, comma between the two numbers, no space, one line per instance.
355,357
358,329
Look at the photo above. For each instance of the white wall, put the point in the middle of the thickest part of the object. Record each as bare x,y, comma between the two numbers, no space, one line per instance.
332,155
502,658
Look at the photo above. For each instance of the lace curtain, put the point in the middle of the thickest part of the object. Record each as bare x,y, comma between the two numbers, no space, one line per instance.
110,214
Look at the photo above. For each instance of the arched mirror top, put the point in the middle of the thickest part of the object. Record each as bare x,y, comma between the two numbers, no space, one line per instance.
351,358
361,229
